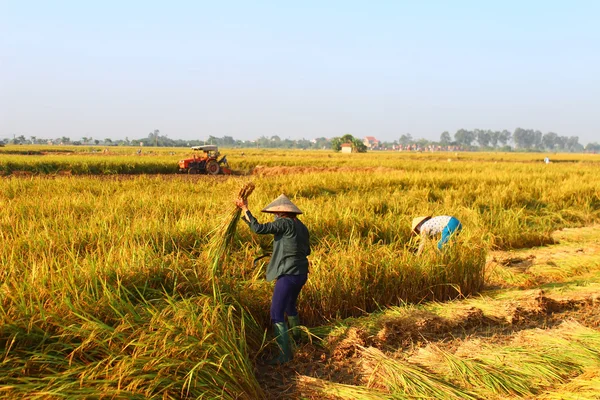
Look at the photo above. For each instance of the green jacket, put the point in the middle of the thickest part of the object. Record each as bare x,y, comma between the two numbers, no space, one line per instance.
290,248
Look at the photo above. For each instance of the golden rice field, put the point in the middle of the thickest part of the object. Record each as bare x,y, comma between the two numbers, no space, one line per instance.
108,285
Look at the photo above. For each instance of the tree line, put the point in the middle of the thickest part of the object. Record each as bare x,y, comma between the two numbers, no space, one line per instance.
520,139
478,139
524,139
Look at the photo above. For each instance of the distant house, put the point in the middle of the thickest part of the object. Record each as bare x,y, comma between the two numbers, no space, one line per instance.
346,148
371,142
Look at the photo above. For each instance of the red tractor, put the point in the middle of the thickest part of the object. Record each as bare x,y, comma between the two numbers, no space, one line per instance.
206,163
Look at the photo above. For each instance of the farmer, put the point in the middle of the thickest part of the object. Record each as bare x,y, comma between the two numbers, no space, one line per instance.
288,266
428,227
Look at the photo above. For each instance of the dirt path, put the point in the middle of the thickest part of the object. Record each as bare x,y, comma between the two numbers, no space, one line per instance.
528,290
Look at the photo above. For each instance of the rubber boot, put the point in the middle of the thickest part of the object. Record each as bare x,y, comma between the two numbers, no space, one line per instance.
294,322
283,342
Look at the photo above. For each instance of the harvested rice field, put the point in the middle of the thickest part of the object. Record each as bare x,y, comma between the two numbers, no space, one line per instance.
124,279
525,338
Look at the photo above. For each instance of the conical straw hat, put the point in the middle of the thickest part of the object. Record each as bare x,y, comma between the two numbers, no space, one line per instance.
417,221
282,204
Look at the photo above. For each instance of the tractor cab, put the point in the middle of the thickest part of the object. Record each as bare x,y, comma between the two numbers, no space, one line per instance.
209,151
206,162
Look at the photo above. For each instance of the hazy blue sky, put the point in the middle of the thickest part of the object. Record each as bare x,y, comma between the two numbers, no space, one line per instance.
309,69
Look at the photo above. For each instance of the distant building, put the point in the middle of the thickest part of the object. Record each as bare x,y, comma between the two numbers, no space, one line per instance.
371,142
346,148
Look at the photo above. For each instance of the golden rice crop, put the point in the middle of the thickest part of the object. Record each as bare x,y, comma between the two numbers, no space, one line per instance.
107,281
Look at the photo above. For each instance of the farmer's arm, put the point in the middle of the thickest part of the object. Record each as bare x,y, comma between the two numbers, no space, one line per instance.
273,228
263,229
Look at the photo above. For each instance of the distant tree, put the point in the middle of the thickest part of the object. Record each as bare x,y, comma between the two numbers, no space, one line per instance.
263,141
494,137
336,143
527,138
592,147
357,144
108,141
464,137
303,144
522,138
537,140
445,138
560,142
153,137
322,143
19,139
33,139
504,137
573,144
406,139
549,140
422,143
483,137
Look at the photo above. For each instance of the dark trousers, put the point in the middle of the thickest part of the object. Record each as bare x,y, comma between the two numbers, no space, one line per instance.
285,295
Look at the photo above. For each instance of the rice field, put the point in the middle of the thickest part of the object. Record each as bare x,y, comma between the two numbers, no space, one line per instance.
110,286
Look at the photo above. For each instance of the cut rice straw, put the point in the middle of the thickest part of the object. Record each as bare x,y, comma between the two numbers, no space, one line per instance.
309,386
222,237
404,378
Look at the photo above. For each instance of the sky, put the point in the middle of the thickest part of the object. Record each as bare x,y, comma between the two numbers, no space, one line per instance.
117,69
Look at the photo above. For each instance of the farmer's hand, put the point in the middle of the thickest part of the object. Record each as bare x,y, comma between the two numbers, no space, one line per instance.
243,204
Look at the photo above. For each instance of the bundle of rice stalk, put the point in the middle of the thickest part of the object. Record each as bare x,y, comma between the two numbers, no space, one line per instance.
403,378
545,366
222,236
483,376
576,346
308,386
585,386
588,338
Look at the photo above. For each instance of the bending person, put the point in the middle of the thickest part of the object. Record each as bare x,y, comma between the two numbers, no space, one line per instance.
429,227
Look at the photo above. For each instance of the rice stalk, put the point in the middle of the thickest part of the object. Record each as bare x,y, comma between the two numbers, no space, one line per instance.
222,237
583,387
403,378
309,386
539,359
480,375
571,342
178,348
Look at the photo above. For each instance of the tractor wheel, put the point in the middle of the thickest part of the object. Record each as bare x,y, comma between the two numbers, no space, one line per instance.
212,167
194,171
